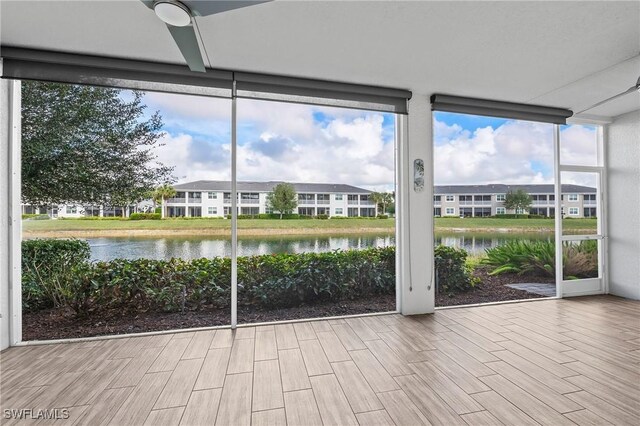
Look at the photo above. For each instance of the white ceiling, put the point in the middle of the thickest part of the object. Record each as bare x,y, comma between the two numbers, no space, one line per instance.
566,54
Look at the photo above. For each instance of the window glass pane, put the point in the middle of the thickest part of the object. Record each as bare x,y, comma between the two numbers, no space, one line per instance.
497,176
318,167
580,195
128,177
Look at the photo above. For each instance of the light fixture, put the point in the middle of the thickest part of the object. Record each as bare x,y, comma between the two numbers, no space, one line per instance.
172,12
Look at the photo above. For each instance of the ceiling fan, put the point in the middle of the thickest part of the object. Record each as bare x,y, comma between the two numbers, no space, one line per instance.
631,89
180,19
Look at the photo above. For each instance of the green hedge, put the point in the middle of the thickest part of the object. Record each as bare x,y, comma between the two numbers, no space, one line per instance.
58,273
521,216
144,216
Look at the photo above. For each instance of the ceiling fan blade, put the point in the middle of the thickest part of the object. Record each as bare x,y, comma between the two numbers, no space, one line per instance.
619,95
185,38
205,8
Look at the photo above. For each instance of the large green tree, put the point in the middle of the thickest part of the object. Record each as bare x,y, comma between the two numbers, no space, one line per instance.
283,199
518,201
88,145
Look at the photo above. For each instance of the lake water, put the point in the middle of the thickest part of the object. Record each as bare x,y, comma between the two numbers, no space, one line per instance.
197,247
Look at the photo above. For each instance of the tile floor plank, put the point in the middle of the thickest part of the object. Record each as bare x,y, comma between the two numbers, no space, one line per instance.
235,402
202,408
301,408
293,370
314,358
332,403
358,392
267,386
275,417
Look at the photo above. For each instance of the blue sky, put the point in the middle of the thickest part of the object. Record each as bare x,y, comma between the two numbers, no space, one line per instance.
303,143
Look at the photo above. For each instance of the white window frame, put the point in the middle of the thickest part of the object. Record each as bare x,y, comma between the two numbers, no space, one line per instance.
212,195
212,210
572,197
450,198
501,197
501,210
449,211
587,286
338,211
338,197
576,211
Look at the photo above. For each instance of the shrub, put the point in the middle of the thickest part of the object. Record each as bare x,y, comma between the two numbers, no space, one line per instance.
383,216
452,274
49,271
322,216
279,280
520,216
539,258
144,216
41,217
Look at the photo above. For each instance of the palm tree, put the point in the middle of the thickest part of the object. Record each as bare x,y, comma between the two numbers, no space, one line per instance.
161,193
381,199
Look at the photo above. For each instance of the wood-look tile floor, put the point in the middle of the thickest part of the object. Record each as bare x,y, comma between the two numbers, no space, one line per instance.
550,362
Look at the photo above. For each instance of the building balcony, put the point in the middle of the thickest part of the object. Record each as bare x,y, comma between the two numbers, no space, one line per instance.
248,201
307,202
324,202
352,202
176,200
194,201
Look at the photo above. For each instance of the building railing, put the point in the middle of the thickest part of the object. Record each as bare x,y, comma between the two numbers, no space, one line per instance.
194,200
176,200
482,202
323,202
352,202
307,202
247,201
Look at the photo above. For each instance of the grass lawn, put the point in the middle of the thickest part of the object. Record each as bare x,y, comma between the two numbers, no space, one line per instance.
383,225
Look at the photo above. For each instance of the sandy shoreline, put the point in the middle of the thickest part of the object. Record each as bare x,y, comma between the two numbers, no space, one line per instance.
120,233
220,232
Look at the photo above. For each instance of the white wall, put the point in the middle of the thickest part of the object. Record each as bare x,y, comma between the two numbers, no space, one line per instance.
10,218
4,215
623,168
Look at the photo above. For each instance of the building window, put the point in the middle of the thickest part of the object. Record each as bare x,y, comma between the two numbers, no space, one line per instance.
306,198
213,210
352,199
72,209
500,197
449,198
573,211
250,210
249,198
573,197
437,211
450,211
520,211
501,210
227,211
338,211
436,199
323,199
212,195
338,197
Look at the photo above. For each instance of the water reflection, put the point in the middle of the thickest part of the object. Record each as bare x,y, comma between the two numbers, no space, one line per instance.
196,247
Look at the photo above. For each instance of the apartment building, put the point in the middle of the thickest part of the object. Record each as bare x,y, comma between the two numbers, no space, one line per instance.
488,200
206,198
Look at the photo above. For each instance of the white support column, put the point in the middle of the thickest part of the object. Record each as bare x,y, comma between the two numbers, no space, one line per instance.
416,216
10,214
